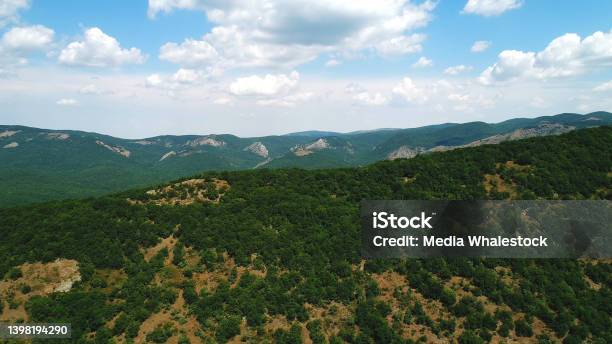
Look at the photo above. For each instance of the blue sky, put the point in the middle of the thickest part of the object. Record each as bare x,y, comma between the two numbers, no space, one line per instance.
138,68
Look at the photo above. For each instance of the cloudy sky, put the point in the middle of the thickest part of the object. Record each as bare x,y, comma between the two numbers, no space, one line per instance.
247,67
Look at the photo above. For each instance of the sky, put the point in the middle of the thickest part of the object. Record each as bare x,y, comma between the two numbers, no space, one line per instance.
137,69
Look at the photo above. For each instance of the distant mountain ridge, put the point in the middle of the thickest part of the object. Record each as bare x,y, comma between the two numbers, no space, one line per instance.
40,164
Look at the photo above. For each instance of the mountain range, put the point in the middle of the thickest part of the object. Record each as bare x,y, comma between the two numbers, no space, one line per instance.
275,255
41,164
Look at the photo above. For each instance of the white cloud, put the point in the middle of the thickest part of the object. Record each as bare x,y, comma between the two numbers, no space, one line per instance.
372,99
361,96
286,101
268,85
490,8
16,43
480,46
9,10
422,62
66,102
182,79
442,95
565,56
154,80
606,86
288,33
408,91
99,50
27,38
354,87
401,45
189,53
187,76
332,63
454,70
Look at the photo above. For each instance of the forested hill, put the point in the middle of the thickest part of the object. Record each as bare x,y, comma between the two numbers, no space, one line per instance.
273,256
38,165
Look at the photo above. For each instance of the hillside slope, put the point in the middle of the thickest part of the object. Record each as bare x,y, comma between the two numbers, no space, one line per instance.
39,165
273,256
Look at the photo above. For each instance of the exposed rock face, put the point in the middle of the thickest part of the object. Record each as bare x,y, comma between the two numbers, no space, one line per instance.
258,148
262,163
310,148
119,150
541,130
318,144
206,141
11,145
8,133
58,136
167,155
143,142
405,152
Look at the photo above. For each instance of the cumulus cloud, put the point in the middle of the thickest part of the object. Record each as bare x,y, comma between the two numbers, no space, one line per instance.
565,56
441,94
287,33
27,38
480,46
372,99
98,49
454,70
422,62
490,8
18,42
268,85
9,10
182,79
401,45
189,53
408,91
66,102
271,89
606,86
360,95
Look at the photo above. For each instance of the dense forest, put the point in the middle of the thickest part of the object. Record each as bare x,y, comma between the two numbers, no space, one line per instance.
38,165
273,256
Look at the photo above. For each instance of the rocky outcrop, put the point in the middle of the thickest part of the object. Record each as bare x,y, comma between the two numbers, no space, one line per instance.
58,136
205,141
318,144
405,152
542,129
8,133
310,148
119,150
258,148
167,155
143,142
11,145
